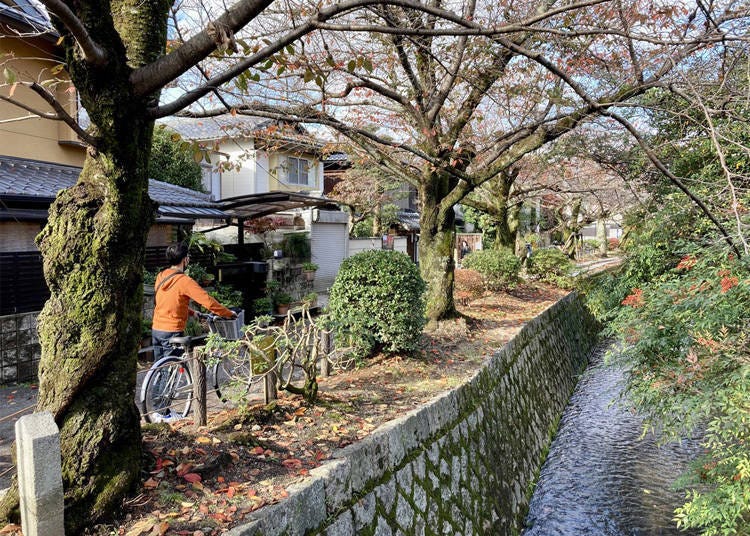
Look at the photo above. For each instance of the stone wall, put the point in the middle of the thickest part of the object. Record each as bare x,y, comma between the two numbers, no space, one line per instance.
463,464
19,344
19,348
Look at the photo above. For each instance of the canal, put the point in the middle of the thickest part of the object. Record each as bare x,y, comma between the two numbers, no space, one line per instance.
601,478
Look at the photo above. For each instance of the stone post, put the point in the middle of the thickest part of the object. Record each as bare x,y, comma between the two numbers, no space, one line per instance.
39,475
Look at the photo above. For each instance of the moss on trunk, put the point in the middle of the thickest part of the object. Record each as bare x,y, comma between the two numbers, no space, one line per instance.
436,244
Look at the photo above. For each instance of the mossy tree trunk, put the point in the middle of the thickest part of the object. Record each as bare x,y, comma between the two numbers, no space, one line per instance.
93,248
436,245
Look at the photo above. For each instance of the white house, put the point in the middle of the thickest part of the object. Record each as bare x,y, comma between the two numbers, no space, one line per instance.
253,155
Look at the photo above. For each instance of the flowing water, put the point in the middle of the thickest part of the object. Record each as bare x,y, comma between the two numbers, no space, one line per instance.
600,477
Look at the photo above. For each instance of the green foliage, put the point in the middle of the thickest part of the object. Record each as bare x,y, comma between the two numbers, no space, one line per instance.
362,229
262,306
227,295
499,267
197,272
551,265
689,369
213,249
172,161
309,266
297,246
149,278
378,300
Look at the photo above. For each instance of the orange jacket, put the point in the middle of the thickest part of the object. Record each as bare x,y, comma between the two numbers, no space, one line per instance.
173,297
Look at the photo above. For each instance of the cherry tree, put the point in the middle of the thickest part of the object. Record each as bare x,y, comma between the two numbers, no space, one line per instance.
453,111
119,58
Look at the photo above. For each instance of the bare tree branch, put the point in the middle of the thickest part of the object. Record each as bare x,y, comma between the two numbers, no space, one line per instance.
673,178
93,53
60,113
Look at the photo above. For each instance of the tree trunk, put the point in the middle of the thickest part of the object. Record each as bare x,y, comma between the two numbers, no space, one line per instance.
507,227
93,249
436,245
601,236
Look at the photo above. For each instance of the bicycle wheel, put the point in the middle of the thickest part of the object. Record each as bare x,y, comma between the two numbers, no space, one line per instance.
232,377
167,390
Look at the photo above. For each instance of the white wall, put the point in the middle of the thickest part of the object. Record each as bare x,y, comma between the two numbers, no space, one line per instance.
240,181
357,245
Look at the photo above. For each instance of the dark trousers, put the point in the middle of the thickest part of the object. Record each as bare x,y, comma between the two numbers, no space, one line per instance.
160,340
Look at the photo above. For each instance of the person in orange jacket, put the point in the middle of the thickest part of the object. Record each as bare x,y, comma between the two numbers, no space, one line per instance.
173,291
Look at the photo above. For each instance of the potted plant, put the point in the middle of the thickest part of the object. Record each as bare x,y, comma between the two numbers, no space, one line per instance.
262,306
310,299
282,300
309,269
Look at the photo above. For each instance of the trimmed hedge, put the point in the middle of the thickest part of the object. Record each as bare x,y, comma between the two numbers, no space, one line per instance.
378,300
551,265
499,267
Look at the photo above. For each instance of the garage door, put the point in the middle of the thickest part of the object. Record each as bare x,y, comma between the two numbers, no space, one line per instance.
329,243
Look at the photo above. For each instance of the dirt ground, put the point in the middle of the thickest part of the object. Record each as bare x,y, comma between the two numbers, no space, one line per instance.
200,481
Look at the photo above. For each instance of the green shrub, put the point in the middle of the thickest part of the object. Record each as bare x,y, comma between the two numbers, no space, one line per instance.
377,300
498,266
551,265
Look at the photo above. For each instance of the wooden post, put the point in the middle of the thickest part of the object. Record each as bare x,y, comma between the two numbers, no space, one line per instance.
199,388
325,365
269,384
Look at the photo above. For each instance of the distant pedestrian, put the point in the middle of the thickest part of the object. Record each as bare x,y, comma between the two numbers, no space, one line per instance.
527,256
463,250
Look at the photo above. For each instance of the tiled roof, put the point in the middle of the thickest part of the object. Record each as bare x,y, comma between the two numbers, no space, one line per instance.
42,180
267,133
30,14
213,128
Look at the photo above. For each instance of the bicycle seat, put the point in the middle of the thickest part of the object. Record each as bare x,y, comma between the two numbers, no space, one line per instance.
180,341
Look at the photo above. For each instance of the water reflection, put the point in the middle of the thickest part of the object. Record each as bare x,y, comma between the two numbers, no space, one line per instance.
600,478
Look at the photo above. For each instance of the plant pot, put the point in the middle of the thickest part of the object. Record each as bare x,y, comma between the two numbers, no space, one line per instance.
309,275
282,308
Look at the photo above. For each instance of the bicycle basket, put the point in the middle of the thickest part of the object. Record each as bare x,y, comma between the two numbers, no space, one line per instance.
229,328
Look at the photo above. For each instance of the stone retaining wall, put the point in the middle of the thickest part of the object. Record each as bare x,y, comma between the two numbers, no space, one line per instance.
463,464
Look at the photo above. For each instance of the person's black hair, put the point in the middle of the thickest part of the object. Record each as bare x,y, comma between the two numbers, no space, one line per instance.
176,252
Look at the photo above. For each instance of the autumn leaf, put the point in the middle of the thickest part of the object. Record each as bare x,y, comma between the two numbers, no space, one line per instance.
160,529
292,463
192,477
141,527
150,483
183,469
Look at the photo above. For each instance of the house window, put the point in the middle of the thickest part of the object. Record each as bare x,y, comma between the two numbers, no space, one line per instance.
298,171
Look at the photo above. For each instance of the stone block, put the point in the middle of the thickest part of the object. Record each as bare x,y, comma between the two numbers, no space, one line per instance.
39,475
343,526
336,477
404,514
364,512
369,459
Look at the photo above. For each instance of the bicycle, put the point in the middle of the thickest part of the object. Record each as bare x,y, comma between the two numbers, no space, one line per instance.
167,390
